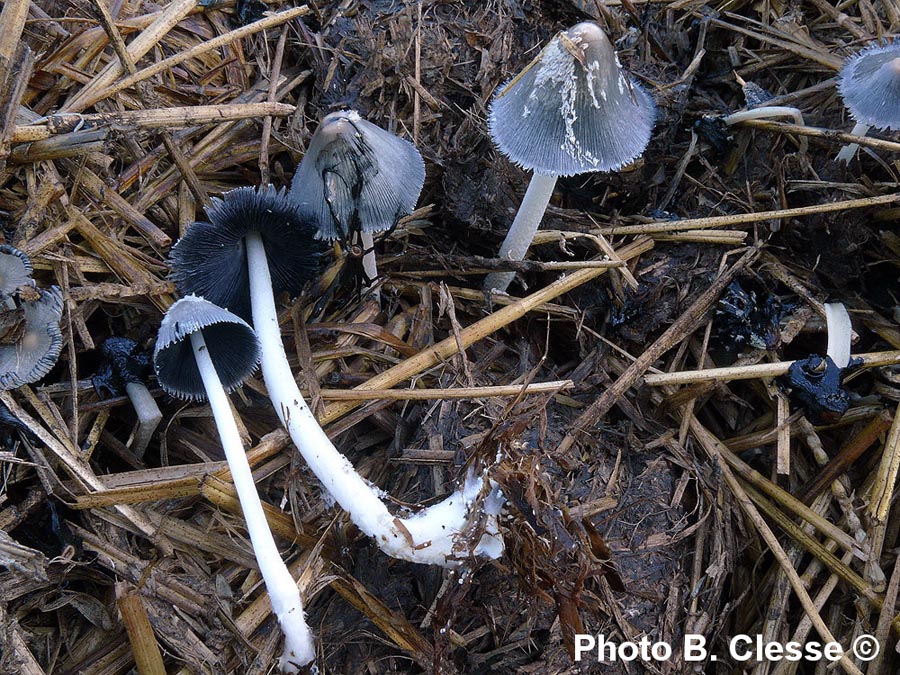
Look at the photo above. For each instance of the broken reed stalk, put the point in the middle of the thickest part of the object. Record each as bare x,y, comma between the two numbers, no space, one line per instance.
155,118
442,394
682,327
729,373
148,38
662,227
838,137
435,354
80,470
147,657
198,50
714,448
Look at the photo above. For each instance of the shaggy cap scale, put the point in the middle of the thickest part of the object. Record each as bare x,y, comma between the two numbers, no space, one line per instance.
210,260
870,85
36,351
15,269
356,176
232,346
572,110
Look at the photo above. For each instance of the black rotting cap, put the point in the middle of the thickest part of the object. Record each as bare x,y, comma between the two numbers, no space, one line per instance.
211,259
231,343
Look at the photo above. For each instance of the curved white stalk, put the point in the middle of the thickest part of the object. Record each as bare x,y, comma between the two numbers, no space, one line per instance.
840,333
282,589
766,112
367,241
849,150
425,537
521,232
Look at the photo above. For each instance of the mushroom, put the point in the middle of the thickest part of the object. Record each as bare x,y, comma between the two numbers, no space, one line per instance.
30,349
203,352
356,179
124,369
572,110
15,272
816,382
870,85
429,536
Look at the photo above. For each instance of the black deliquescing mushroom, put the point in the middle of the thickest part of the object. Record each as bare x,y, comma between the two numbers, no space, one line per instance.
124,369
572,110
429,536
248,229
356,179
870,85
203,352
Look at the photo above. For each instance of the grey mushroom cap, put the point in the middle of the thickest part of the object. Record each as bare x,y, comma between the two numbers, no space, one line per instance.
870,85
231,342
573,109
37,350
15,269
355,176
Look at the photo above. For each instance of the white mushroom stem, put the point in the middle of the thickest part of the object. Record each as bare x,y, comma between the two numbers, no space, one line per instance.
849,150
521,232
840,333
282,589
425,537
766,112
148,414
367,241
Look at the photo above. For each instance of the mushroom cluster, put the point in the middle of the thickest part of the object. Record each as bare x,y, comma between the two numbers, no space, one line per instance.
31,339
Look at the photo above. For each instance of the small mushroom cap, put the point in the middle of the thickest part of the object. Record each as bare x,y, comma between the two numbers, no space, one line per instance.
36,352
355,176
573,109
232,346
870,85
210,260
15,269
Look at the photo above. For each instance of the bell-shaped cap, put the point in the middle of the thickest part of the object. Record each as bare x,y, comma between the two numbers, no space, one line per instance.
15,269
232,346
870,85
573,109
210,260
37,347
355,176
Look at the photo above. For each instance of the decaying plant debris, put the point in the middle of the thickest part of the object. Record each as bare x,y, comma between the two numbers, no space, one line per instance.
660,483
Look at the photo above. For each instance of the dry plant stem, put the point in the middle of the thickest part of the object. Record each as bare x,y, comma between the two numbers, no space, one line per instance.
139,46
882,494
885,619
445,394
522,230
200,49
147,657
157,118
766,112
681,328
81,471
148,413
286,602
752,372
738,219
713,448
433,355
426,537
825,135
849,150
